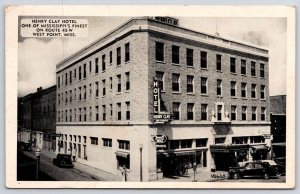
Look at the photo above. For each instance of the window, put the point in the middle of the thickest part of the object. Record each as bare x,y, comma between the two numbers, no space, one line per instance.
62,79
186,143
219,62
204,112
103,88
90,89
110,83
66,97
58,116
190,111
96,65
79,73
66,116
110,57
119,83
201,142
257,139
75,94
243,67
111,110
233,88
220,140
80,115
127,52
118,55
119,111
175,82
75,119
233,113
71,96
84,92
58,82
66,79
263,114
107,142
127,80
124,145
103,63
159,51
262,92
176,110
244,113
94,140
219,112
203,85
84,71
97,113
70,115
75,73
189,57
243,90
70,75
160,79
58,96
84,139
232,65
203,56
97,89
239,140
253,90
90,67
90,113
174,144
253,113
190,84
127,110
84,114
219,87
175,54
253,68
103,112
262,70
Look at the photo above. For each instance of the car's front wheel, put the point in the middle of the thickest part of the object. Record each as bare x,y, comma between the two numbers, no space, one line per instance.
235,176
265,176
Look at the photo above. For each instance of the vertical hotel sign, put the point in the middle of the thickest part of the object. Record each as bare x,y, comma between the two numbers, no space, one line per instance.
158,115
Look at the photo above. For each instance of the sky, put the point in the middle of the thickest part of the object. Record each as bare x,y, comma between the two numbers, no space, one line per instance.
37,57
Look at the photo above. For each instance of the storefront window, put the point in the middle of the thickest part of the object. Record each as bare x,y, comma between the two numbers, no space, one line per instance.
257,139
174,144
201,142
187,143
220,140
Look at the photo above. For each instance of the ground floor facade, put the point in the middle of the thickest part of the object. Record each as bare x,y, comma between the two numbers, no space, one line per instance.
149,152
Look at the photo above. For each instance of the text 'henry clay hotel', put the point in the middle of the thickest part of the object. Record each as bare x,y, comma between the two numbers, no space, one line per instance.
152,96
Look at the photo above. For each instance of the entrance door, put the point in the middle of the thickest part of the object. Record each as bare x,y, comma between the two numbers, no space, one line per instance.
224,160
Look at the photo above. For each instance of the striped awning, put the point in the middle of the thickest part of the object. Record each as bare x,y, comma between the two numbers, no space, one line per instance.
122,154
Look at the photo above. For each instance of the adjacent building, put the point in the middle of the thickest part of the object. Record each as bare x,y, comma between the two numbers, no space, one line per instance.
152,96
37,116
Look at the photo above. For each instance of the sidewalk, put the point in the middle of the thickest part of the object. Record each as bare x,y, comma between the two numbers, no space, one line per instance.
199,177
95,173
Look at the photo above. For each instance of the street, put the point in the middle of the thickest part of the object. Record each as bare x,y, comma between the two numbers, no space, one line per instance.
48,172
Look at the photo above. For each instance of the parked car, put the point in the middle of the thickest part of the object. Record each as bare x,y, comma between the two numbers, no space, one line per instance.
63,160
263,169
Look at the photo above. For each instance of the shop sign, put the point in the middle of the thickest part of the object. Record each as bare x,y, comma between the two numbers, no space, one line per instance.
158,117
160,140
167,20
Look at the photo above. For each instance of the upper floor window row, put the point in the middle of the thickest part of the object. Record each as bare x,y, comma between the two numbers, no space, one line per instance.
189,59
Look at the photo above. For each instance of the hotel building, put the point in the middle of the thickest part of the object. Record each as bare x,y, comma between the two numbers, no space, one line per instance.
154,97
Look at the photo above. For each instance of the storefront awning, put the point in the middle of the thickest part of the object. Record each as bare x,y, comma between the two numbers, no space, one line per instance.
182,153
260,147
122,154
228,148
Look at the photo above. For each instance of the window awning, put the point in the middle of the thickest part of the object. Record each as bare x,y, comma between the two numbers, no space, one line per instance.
260,147
122,154
228,148
182,152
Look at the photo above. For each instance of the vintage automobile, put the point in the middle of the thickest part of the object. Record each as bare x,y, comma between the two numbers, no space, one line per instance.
263,169
63,161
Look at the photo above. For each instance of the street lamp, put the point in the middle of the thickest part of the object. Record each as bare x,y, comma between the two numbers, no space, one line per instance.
37,155
141,162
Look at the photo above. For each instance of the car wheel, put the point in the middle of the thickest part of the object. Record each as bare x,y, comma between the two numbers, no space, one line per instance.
236,176
266,176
